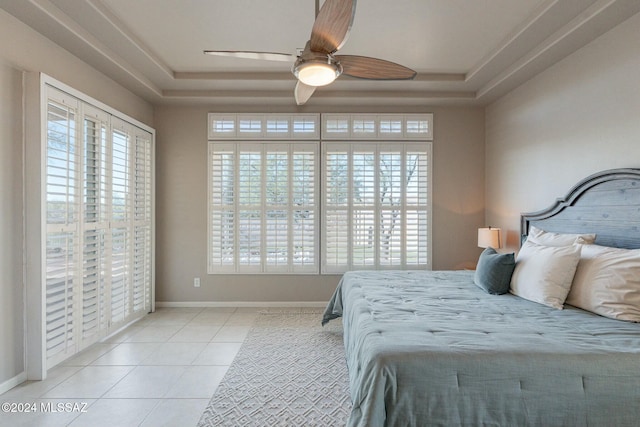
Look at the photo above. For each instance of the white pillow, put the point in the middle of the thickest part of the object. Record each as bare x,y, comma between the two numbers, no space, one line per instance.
607,282
543,274
548,238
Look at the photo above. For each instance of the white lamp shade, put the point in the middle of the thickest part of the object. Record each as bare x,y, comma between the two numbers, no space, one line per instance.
489,237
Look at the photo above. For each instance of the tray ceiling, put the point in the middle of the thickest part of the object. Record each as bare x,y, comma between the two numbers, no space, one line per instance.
465,52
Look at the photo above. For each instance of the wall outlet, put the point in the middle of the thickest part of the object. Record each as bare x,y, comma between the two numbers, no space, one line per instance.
196,282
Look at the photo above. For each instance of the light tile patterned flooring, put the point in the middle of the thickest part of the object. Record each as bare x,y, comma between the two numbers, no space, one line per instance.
161,371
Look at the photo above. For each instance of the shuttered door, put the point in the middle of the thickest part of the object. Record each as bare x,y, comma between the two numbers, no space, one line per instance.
95,243
121,215
142,216
99,224
62,210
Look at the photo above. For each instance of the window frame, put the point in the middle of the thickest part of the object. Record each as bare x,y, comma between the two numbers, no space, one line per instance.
292,148
393,130
376,148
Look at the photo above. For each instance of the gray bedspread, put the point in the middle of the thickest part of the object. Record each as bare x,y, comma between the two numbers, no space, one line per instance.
432,349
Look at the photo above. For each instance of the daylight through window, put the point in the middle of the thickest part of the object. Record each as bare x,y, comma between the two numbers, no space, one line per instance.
277,206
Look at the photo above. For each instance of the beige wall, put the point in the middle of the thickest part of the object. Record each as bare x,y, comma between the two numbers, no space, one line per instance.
23,50
11,226
181,209
576,118
27,50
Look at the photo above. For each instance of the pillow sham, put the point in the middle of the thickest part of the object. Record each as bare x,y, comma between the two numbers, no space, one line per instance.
493,272
543,274
607,282
548,238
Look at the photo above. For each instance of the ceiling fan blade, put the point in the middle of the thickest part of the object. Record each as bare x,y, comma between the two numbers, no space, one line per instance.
332,25
303,92
247,54
364,67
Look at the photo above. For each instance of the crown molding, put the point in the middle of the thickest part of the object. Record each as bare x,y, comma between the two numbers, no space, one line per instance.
80,33
584,28
429,94
119,26
258,75
512,39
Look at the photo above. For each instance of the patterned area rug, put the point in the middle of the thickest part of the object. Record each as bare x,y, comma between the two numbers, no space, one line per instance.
290,371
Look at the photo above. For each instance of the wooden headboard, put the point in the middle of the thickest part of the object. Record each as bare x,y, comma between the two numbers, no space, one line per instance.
606,203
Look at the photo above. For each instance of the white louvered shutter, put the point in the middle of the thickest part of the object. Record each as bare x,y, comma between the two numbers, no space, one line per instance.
303,211
376,204
337,169
222,215
263,214
62,211
249,208
142,212
391,190
363,215
96,216
276,213
374,173
417,207
121,248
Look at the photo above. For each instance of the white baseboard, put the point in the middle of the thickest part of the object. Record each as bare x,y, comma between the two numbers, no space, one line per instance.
12,382
268,304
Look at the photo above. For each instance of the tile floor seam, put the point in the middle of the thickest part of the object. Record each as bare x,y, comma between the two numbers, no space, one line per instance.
233,331
149,413
109,389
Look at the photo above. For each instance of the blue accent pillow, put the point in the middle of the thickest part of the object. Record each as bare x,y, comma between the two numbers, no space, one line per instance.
494,271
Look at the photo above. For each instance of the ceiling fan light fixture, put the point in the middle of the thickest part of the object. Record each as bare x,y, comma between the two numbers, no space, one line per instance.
317,73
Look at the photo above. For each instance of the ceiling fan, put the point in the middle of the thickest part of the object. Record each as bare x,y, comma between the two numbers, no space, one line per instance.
317,65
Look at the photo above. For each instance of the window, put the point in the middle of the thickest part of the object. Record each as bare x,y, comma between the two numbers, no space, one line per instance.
263,126
263,214
98,216
376,206
264,208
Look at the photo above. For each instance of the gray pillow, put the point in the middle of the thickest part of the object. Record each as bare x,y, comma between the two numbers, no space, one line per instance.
494,270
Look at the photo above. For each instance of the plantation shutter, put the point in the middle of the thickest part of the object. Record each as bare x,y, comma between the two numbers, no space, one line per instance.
142,217
417,206
277,213
249,208
337,168
304,213
263,193
290,212
376,204
264,210
263,215
95,281
98,213
376,191
121,143
222,215
62,211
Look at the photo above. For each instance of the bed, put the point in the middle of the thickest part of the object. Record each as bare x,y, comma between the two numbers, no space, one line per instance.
430,348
